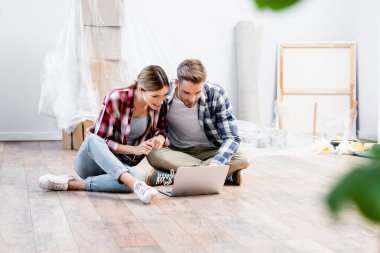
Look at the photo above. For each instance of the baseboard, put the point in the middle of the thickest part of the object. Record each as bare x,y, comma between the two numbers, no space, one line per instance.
367,136
30,136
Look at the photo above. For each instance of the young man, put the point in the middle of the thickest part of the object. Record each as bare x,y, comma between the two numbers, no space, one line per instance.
202,129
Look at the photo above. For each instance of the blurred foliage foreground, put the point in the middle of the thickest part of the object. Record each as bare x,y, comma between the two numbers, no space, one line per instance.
275,5
360,187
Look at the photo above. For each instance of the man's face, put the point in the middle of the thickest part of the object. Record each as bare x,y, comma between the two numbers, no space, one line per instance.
188,92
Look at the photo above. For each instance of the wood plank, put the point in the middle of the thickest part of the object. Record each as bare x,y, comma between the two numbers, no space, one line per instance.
198,226
169,236
51,229
306,245
16,233
14,204
278,208
144,249
17,237
265,246
88,229
34,158
93,237
12,146
12,158
50,145
12,175
122,224
316,91
33,173
30,145
225,247
317,45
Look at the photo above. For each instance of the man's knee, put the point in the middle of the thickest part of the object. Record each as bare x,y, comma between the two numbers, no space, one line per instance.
158,158
154,155
240,161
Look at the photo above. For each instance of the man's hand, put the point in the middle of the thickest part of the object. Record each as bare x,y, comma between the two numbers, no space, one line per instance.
144,148
158,141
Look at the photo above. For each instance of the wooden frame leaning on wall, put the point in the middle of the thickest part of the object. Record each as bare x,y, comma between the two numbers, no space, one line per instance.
320,76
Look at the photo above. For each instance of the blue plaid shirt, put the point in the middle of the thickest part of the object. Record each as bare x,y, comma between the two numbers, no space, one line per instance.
216,119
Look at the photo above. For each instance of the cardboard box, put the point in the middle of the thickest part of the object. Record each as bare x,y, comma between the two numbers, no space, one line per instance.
107,75
103,42
75,139
86,125
77,136
67,142
103,12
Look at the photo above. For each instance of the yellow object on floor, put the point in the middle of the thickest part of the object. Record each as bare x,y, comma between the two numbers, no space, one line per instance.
356,146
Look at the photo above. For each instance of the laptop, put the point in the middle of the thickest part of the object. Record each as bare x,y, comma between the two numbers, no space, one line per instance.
196,180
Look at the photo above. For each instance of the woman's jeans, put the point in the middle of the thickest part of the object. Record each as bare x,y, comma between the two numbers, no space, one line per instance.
100,168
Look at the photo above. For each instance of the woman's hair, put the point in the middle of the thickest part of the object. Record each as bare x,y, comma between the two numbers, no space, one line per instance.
152,78
191,70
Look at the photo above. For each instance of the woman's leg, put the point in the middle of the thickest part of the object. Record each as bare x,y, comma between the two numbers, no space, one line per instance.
93,160
101,170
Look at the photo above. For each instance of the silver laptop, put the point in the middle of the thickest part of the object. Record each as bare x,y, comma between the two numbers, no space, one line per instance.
196,181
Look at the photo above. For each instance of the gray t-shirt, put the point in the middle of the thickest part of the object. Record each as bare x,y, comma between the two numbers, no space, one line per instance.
138,127
183,126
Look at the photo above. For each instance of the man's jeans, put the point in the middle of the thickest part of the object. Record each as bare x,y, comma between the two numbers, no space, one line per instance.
100,168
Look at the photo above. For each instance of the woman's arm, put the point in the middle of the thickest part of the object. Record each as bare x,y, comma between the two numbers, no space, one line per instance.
162,127
124,149
143,148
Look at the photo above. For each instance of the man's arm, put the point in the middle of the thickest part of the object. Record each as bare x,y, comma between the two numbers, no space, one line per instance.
227,130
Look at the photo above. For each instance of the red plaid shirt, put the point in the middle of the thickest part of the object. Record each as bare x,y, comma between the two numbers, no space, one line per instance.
114,123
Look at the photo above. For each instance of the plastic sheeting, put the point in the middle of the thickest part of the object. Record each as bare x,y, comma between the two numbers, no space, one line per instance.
330,125
67,93
143,45
103,45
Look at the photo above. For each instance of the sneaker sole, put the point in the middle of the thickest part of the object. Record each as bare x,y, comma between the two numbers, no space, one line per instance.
238,178
149,176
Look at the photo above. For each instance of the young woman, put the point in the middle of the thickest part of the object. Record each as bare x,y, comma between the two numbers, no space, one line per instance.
130,125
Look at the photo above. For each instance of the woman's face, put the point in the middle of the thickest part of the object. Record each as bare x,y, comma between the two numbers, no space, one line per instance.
154,99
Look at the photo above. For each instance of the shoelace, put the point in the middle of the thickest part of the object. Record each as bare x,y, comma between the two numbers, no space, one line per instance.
58,183
164,178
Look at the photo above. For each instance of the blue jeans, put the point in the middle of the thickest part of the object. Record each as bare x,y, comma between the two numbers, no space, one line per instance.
100,168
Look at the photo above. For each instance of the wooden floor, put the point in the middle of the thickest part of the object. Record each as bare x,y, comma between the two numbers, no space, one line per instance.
279,208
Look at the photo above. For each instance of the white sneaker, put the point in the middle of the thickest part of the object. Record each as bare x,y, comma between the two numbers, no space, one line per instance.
144,192
56,183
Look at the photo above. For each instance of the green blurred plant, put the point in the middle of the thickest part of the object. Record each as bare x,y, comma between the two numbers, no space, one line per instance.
360,187
275,5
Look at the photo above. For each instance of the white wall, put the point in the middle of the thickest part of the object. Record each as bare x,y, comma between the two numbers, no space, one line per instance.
364,27
28,30
205,30
198,29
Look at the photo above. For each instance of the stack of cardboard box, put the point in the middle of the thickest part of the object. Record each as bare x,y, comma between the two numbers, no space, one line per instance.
75,139
102,22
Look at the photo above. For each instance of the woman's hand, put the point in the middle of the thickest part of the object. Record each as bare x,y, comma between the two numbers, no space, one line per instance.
158,141
144,148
